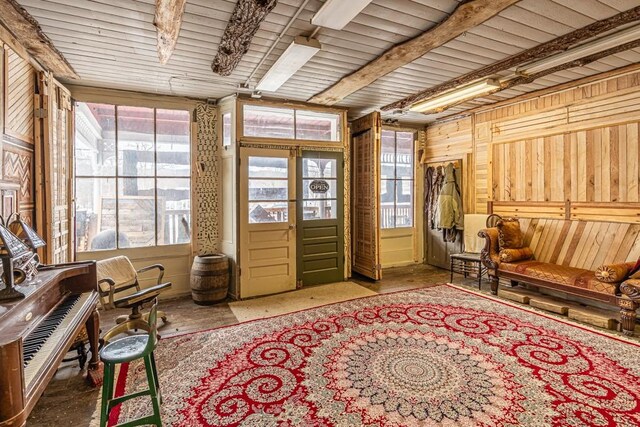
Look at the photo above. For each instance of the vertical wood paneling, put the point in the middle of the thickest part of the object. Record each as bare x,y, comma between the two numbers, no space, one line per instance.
20,79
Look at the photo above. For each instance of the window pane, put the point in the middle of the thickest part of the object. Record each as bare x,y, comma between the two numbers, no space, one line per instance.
268,167
226,129
387,155
268,122
387,203
96,214
320,209
261,212
404,155
95,144
268,189
136,210
319,168
173,142
404,203
174,211
319,189
311,125
136,155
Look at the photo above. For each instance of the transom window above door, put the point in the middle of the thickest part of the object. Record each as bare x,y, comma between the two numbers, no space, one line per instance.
132,177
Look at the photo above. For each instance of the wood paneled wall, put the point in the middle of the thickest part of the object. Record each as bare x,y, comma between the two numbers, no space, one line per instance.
576,144
17,90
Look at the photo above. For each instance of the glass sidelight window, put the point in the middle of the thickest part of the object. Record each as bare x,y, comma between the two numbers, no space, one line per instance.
396,179
132,177
319,189
268,189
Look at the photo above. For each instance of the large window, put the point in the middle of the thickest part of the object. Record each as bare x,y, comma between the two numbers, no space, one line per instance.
396,179
132,177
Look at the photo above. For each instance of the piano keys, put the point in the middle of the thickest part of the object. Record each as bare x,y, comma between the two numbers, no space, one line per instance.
36,332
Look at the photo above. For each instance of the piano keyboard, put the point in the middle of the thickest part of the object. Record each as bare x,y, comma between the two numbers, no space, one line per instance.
45,337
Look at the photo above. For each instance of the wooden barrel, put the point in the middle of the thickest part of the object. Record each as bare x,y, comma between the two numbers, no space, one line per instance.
209,279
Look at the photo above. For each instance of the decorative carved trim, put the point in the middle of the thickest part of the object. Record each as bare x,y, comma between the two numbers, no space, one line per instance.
207,188
485,253
243,25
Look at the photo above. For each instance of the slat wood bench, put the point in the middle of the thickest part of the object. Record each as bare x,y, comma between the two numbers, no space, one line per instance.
566,255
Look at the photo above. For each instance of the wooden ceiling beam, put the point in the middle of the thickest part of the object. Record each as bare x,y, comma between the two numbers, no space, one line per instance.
466,16
543,50
27,31
243,25
168,20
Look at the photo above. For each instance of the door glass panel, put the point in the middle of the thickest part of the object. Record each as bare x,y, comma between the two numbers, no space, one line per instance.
320,209
404,203
387,203
388,154
268,189
268,167
319,168
319,189
404,155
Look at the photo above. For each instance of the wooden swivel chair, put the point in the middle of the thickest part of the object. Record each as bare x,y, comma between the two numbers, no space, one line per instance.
118,276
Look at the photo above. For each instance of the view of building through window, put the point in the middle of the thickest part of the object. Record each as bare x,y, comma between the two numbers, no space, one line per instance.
132,169
396,179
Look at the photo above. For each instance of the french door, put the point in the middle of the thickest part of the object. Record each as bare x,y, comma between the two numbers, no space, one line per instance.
320,221
267,221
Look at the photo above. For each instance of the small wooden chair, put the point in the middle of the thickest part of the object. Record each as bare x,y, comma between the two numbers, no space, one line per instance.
126,350
117,275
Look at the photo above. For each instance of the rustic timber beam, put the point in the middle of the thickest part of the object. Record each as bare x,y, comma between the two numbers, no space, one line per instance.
168,20
466,16
27,31
543,50
244,22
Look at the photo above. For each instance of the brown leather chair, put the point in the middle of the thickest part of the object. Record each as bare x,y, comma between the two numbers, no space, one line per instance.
118,287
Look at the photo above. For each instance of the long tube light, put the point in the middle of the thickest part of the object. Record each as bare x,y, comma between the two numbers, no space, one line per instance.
457,95
299,52
616,39
336,14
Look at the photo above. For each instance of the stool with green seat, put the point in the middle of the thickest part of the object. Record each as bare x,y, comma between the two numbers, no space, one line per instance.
125,350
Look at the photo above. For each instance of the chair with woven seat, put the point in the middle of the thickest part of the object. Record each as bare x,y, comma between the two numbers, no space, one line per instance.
128,349
117,276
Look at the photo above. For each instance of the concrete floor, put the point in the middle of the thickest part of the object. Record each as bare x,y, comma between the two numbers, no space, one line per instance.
69,401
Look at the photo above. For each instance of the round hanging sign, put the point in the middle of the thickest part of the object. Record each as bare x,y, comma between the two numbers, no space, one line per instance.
319,186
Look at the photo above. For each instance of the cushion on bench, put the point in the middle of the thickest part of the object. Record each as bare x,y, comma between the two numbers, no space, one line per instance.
560,274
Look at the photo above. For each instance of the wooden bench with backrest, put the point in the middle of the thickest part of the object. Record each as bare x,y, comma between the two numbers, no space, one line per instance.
566,255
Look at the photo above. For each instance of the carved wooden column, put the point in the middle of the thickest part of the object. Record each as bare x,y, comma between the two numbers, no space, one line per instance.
629,304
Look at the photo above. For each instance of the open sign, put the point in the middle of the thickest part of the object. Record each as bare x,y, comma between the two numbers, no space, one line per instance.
319,186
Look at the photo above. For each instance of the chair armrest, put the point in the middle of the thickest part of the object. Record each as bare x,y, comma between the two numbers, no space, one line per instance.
631,288
613,273
160,268
112,287
490,255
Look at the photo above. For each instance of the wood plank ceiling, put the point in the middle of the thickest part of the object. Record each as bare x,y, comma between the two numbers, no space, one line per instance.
112,43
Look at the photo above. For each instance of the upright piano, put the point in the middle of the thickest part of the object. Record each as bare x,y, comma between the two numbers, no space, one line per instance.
37,331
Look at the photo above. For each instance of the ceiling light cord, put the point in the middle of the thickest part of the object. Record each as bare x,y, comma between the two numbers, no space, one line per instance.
275,43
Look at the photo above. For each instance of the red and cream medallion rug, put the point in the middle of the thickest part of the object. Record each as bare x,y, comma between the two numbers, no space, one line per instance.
441,356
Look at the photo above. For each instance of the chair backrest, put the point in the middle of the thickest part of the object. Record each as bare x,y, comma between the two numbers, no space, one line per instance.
153,328
119,269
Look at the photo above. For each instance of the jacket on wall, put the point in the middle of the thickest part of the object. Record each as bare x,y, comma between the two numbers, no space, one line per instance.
449,208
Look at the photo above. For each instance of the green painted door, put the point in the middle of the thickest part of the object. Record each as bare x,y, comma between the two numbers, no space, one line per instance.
320,236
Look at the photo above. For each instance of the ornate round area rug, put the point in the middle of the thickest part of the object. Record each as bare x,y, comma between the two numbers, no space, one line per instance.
440,356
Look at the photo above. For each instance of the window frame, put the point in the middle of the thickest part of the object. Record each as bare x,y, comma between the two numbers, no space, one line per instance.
155,176
340,112
397,180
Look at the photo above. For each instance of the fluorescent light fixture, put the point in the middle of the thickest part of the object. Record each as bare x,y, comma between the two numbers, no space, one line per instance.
457,95
336,14
299,52
587,49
